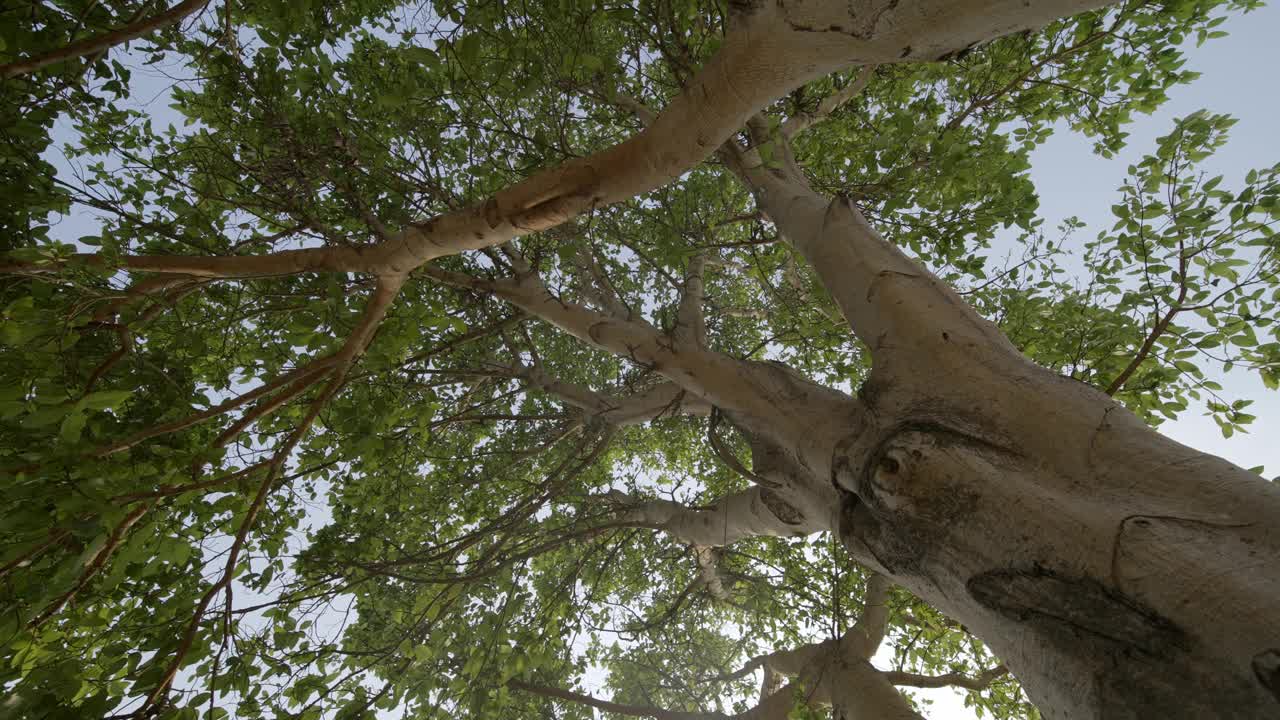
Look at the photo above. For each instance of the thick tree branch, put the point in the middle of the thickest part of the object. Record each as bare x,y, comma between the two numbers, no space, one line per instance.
745,388
735,517
892,303
691,323
776,706
765,400
104,41
864,638
656,401
862,692
834,672
664,399
726,455
769,50
709,575
770,681
796,662
837,672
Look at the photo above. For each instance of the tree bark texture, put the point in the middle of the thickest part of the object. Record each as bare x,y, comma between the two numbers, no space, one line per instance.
1119,573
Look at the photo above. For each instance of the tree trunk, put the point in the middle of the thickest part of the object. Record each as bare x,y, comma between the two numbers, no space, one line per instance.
1119,573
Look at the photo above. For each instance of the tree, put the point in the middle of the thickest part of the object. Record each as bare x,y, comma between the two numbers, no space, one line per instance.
433,364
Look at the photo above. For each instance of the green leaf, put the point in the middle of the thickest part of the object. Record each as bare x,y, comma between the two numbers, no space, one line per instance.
105,399
72,427
422,56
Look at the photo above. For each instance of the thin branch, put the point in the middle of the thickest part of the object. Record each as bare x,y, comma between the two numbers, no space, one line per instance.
171,490
55,537
612,707
955,679
95,564
385,293
798,124
314,367
470,336
986,100
1157,330
600,288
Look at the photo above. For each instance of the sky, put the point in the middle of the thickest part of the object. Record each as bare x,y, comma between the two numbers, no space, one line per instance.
1073,181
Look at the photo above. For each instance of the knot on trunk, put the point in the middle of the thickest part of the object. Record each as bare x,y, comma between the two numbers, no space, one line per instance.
1266,667
781,509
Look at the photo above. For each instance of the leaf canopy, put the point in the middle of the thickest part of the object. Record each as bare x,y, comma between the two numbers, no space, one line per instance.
436,521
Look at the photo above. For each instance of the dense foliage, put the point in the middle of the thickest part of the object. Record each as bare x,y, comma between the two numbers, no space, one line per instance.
198,521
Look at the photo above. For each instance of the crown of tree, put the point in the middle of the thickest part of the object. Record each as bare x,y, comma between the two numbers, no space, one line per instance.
491,360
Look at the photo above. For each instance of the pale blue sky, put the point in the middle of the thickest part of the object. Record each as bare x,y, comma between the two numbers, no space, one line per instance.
1238,79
